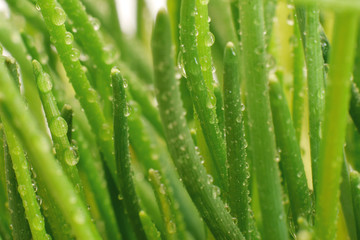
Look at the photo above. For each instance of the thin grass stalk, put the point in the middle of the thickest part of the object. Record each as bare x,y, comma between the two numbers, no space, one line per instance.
260,123
54,18
346,200
238,196
298,81
290,155
200,94
65,153
20,225
179,140
308,19
337,96
25,188
122,154
150,229
355,192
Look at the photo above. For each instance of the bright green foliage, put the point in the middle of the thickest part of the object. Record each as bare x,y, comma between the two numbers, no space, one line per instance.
220,120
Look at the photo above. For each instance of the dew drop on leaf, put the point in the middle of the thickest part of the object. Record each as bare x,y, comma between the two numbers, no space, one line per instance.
69,38
38,222
91,95
44,83
204,2
71,157
58,17
171,227
209,39
75,54
58,127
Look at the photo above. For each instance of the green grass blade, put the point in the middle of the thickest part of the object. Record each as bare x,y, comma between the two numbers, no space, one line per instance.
89,163
262,136
54,18
122,154
200,94
290,155
168,206
35,142
238,196
150,229
355,106
337,96
299,81
309,26
20,226
58,128
179,140
355,191
346,200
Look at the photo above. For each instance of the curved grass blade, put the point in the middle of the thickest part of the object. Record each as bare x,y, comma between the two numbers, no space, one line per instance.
168,207
180,144
54,19
95,176
355,106
355,191
122,153
346,200
20,226
336,107
200,94
308,19
290,155
65,153
35,142
260,124
150,229
239,199
299,81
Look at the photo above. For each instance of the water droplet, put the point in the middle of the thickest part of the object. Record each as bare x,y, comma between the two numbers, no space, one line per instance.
210,179
235,220
58,17
162,189
110,54
125,83
127,110
180,63
69,38
44,83
91,95
79,217
95,22
38,222
171,227
37,6
204,2
75,54
22,190
58,127
71,157
238,119
120,197
105,132
209,39
216,191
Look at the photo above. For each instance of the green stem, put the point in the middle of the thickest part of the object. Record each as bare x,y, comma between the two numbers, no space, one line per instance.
149,227
180,144
355,191
260,123
203,98
238,196
290,155
299,81
65,153
122,154
337,96
20,226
